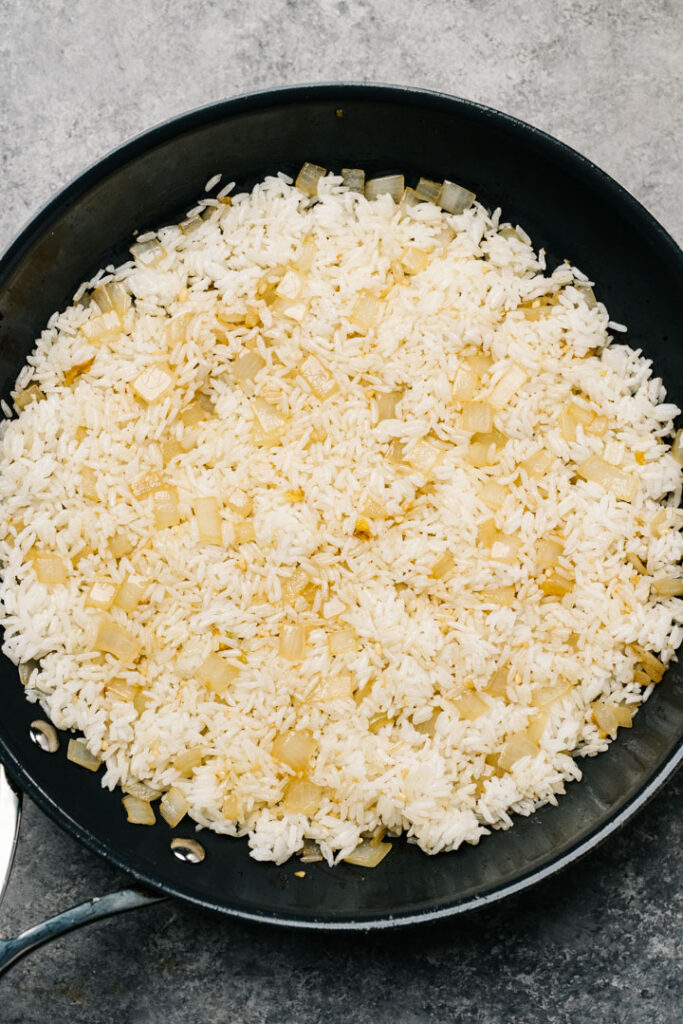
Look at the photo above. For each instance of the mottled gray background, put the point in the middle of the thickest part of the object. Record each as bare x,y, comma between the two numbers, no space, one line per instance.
603,941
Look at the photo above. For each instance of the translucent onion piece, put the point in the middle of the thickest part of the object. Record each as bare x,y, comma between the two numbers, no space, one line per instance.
556,585
470,706
548,552
149,253
78,752
101,594
353,179
454,198
538,464
247,366
121,690
154,383
77,370
665,586
537,727
120,545
307,255
139,812
33,393
507,387
269,419
428,191
650,663
338,687
308,177
166,512
428,726
244,532
546,695
605,717
598,426
517,747
365,312
208,520
321,383
465,383
114,639
192,414
386,404
596,470
498,683
301,797
173,806
295,748
503,596
113,296
342,641
292,587
377,723
230,807
129,595
414,260
408,199
362,529
217,673
443,566
477,417
493,494
677,447
624,716
368,856
89,483
50,569
292,645
389,184
190,759
102,329
424,456
480,363
145,484
633,560
503,548
141,790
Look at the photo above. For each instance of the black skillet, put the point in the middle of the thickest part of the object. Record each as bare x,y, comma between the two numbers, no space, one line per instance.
568,206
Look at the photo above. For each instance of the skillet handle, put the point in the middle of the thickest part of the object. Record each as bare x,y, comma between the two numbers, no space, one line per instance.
83,913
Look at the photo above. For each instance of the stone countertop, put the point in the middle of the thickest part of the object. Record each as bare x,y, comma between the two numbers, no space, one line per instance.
600,942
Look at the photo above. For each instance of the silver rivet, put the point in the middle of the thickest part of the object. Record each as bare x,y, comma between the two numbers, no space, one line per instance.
188,850
44,735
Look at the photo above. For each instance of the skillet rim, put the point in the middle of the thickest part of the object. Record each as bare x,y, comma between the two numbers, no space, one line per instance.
166,130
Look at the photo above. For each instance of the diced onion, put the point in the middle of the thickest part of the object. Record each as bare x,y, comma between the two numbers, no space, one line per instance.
292,587
470,706
89,483
112,296
166,512
294,748
493,494
246,366
321,383
141,790
269,420
427,191
503,596
546,695
454,198
537,727
556,585
208,520
129,595
666,586
342,641
465,383
605,718
408,199
149,253
548,552
650,663
508,386
77,751
498,683
386,404
677,447
301,797
145,484
190,759
102,329
114,639
217,673
292,645
503,548
154,383
596,470
101,594
120,544
33,393
477,417
122,690
139,812
414,260
308,177
424,456
632,559
244,532
50,569
368,856
173,806
389,184
337,687
517,747
428,726
230,807
77,370
538,464
353,179
443,566
365,312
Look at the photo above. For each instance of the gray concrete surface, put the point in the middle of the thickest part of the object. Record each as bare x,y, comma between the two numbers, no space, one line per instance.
603,941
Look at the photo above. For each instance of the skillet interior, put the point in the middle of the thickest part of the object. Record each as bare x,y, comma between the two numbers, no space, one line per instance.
566,205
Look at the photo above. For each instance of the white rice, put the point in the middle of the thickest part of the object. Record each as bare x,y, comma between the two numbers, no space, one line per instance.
422,643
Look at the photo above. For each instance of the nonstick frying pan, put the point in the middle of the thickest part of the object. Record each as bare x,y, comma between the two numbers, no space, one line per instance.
568,206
